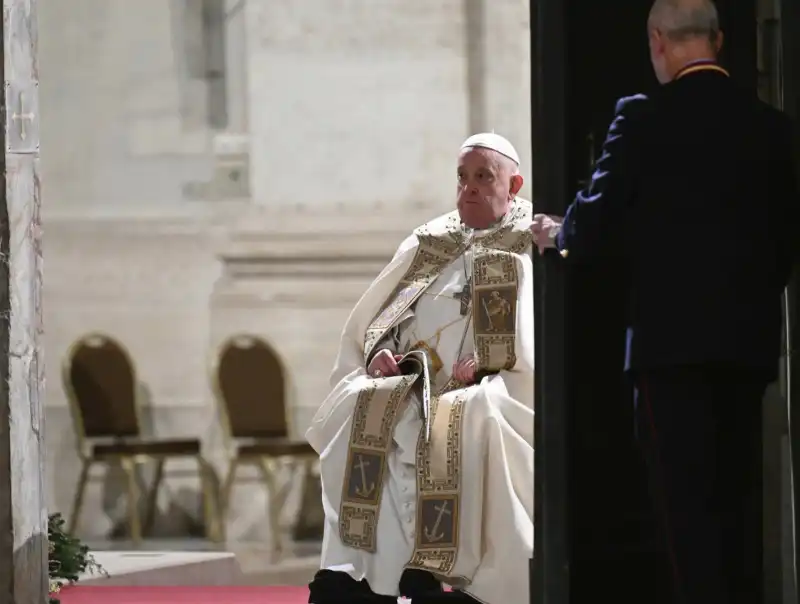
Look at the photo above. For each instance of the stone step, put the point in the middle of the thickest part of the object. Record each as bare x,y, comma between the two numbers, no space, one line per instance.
161,568
297,571
198,562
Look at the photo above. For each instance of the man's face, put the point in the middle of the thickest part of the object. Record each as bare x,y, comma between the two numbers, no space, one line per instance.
486,186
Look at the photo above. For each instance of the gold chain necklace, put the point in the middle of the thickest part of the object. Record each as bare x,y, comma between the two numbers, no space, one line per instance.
430,348
438,333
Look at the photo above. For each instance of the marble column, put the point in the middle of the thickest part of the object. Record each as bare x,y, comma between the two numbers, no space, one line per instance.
23,515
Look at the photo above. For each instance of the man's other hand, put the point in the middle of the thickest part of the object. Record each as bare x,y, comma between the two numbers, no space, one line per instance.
384,364
545,229
464,369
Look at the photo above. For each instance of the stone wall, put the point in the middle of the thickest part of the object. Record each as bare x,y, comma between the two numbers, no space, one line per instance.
124,124
362,104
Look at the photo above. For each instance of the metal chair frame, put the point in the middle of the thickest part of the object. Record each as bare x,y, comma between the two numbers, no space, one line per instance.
267,454
132,452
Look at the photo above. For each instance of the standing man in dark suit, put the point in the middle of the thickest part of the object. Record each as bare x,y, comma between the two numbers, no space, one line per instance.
696,195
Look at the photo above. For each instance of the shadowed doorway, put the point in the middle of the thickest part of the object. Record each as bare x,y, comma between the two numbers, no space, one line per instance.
594,532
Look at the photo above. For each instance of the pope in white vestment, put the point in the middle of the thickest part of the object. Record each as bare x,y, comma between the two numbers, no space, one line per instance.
432,468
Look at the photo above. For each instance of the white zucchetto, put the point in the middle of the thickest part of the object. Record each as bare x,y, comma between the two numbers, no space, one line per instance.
495,142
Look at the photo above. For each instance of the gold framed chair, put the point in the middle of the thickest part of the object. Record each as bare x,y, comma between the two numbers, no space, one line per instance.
100,381
248,382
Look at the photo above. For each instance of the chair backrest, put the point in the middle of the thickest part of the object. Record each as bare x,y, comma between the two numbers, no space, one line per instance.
249,383
100,380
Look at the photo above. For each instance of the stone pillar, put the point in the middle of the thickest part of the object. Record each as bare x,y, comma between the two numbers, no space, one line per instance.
236,65
507,78
23,516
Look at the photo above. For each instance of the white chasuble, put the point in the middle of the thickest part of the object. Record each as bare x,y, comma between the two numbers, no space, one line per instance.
436,475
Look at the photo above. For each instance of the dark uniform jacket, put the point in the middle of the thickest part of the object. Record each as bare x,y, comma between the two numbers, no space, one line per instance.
696,195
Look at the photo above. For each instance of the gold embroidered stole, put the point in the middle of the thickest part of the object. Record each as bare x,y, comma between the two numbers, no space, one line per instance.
495,292
494,302
370,439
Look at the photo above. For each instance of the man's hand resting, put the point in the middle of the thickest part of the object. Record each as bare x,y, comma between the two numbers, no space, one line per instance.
384,364
464,369
545,229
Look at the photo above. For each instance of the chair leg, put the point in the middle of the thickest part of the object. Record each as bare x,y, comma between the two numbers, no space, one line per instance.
227,488
308,466
227,493
308,513
77,502
286,490
211,513
134,522
275,506
152,496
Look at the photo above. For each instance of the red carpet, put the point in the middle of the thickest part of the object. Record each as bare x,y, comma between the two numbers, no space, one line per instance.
277,594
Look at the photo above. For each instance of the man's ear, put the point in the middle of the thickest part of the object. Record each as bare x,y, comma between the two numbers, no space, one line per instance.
656,40
718,42
516,184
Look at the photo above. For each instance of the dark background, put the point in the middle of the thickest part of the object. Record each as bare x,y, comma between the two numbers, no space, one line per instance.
594,534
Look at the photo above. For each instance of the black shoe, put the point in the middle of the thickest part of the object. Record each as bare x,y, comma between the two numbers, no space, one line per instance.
332,587
445,597
419,583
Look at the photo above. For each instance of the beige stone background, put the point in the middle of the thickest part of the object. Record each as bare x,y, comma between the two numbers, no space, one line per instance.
218,166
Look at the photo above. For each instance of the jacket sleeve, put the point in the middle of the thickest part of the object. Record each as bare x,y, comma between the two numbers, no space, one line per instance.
593,227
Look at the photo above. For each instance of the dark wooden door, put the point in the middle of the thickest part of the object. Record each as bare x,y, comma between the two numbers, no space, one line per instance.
789,65
595,534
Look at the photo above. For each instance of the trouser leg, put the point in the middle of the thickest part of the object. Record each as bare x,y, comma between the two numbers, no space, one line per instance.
700,431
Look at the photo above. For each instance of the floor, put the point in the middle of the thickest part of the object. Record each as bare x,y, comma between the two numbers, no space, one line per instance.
176,595
295,568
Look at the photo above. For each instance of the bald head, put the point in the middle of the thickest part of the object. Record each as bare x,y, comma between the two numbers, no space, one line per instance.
682,31
681,20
